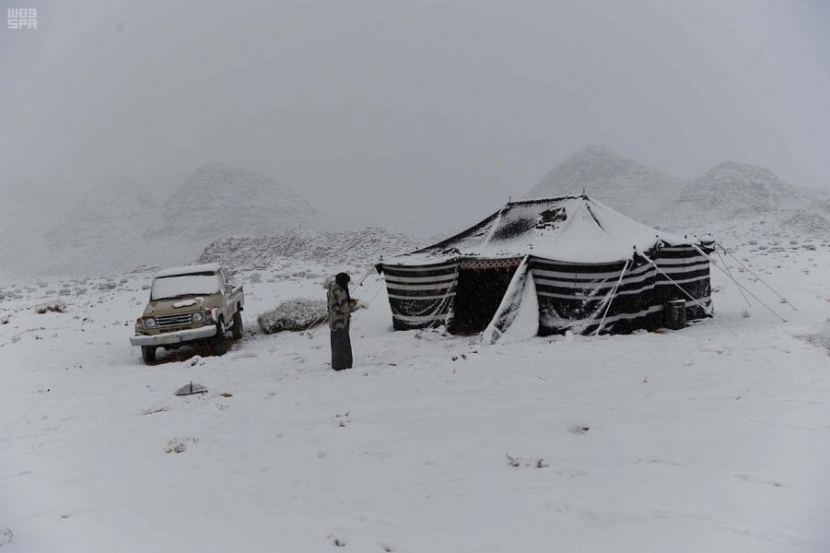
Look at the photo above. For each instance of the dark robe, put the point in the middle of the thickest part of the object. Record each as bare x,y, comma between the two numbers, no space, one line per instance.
341,350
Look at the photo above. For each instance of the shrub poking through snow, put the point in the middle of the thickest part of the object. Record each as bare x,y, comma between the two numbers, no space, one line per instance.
517,462
295,315
179,445
58,306
175,446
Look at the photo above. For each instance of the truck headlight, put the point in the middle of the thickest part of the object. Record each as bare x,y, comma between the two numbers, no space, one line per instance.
198,317
149,322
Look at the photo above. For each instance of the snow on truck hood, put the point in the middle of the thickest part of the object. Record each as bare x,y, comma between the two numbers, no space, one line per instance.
188,303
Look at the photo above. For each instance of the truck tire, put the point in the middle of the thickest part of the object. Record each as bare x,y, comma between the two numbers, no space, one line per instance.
236,329
148,353
218,344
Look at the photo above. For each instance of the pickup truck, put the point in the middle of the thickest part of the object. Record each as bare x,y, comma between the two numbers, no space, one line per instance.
187,305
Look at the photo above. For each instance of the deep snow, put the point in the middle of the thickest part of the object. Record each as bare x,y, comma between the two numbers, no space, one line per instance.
694,440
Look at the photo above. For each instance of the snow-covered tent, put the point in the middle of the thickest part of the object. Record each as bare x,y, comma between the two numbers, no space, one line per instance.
565,263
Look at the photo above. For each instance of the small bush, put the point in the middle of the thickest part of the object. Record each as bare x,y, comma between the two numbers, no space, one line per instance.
175,446
179,445
517,462
58,306
294,315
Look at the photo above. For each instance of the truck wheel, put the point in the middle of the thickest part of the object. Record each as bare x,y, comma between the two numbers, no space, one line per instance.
218,343
236,329
148,353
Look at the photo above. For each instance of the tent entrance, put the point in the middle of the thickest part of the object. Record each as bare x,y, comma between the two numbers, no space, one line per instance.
481,287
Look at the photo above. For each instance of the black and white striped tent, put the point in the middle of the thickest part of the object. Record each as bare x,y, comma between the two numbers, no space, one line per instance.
576,262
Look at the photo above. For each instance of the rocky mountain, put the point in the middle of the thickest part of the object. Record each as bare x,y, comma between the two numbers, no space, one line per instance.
123,223
734,189
627,186
106,230
734,199
219,200
751,197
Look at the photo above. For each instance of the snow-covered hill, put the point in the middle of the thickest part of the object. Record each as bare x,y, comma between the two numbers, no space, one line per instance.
738,189
124,223
219,200
750,200
731,200
627,186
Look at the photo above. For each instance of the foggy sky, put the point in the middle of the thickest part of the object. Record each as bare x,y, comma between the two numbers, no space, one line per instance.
421,115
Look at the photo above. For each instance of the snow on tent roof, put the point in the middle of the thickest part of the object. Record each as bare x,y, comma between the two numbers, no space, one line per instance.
569,228
188,270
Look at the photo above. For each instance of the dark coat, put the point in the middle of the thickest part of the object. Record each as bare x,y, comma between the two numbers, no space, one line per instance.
340,312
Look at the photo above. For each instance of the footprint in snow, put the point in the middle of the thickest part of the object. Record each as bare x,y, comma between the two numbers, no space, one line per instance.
759,479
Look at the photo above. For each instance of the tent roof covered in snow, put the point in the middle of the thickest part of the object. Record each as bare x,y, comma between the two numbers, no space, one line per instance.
573,229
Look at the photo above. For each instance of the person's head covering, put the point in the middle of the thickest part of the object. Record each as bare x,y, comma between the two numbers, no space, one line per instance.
342,279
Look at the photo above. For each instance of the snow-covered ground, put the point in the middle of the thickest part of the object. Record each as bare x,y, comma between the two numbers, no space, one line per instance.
713,438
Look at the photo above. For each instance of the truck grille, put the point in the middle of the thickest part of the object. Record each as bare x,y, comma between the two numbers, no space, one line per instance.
174,320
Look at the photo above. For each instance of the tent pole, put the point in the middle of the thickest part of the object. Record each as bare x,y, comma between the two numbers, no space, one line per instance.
740,289
685,292
747,290
612,295
783,299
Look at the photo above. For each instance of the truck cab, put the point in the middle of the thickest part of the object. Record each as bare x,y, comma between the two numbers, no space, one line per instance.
196,303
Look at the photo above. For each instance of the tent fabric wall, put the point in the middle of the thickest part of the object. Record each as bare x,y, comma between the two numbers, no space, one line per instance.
689,268
421,296
574,296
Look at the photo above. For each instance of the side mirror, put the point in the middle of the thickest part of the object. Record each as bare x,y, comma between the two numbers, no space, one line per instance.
228,288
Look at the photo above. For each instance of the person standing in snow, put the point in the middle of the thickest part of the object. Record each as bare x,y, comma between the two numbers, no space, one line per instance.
340,314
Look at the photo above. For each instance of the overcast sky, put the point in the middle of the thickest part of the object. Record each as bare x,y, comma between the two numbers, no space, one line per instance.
411,114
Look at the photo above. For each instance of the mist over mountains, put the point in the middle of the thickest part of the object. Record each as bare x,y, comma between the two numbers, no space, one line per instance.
730,198
218,200
126,223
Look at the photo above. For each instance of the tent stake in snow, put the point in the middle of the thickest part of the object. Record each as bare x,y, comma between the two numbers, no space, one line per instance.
783,299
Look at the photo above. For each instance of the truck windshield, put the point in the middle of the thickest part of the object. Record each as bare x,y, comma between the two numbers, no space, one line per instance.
201,284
